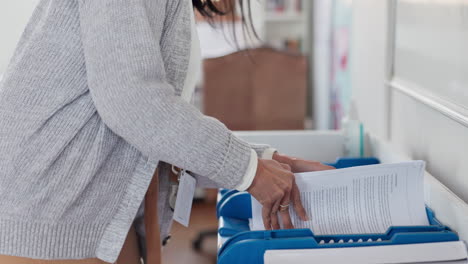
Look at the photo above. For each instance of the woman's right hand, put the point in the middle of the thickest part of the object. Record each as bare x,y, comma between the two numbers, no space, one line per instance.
274,186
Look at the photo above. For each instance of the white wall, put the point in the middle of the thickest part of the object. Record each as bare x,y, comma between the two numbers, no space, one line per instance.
410,123
13,18
369,71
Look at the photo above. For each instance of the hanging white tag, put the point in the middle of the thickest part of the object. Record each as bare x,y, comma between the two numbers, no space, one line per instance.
183,205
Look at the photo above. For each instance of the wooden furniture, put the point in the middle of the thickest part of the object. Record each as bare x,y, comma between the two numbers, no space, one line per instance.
259,89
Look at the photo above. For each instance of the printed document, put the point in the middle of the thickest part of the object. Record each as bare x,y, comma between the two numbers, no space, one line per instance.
358,200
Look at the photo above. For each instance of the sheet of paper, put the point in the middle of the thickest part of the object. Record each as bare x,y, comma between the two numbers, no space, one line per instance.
359,200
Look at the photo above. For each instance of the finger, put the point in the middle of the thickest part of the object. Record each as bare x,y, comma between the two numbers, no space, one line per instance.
266,215
284,212
329,167
286,219
274,221
281,158
297,203
274,216
275,210
320,166
306,166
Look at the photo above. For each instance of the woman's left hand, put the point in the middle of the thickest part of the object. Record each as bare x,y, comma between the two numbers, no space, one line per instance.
299,165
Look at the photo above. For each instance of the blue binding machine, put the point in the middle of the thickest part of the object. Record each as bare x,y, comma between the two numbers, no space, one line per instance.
237,244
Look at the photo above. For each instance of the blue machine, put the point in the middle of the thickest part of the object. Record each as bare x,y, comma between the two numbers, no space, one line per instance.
240,245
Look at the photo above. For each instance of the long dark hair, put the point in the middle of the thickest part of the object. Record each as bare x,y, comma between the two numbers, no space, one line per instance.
212,9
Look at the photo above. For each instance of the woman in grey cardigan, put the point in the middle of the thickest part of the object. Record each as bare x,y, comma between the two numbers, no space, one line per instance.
89,106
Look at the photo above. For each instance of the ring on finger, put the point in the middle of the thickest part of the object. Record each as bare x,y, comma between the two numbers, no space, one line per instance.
282,209
284,205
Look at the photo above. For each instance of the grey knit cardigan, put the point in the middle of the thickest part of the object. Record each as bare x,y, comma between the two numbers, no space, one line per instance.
89,106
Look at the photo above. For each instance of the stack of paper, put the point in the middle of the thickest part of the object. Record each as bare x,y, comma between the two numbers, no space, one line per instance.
358,200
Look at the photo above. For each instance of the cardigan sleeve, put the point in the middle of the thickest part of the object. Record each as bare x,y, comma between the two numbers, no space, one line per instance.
128,84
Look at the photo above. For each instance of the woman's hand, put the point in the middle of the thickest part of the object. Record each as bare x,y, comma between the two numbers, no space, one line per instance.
299,165
275,188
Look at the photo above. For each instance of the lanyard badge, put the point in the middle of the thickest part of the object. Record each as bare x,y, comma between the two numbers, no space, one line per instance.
181,197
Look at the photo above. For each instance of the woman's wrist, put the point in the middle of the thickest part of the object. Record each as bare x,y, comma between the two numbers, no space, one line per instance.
249,175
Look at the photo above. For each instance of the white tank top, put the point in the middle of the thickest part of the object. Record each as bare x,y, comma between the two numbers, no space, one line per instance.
193,70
